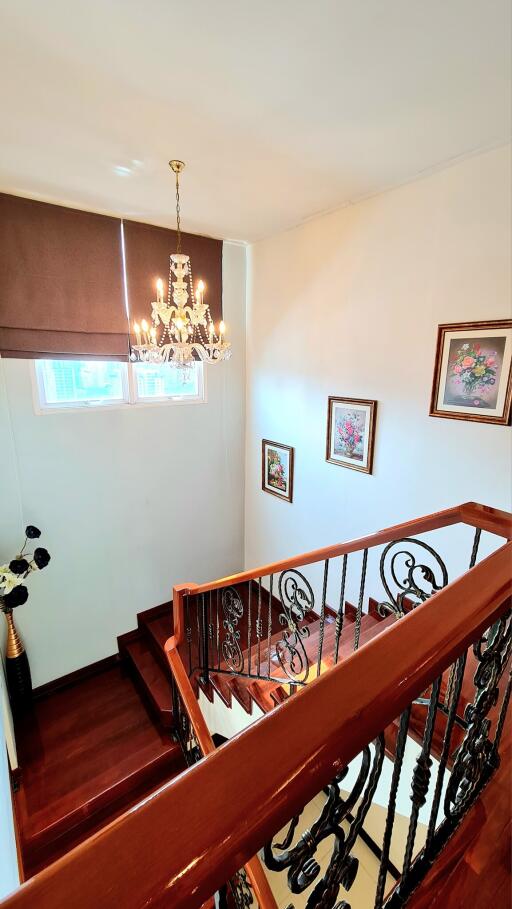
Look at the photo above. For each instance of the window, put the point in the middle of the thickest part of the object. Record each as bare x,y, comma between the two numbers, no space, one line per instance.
159,383
77,384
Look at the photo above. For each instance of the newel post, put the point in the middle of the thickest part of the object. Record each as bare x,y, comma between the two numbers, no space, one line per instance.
178,610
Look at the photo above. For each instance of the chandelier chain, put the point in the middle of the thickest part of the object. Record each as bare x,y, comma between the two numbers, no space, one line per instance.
178,218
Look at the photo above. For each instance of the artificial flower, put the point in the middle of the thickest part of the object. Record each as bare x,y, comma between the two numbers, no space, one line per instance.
19,566
41,557
8,580
32,532
16,597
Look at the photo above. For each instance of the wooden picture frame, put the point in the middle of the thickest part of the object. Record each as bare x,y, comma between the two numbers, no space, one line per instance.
277,469
473,372
351,432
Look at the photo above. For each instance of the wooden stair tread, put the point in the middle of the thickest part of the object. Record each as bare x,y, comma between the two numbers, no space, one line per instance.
268,694
159,630
152,677
82,750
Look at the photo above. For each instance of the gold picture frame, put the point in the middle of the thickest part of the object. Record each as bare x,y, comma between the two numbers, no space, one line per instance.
473,372
351,432
277,464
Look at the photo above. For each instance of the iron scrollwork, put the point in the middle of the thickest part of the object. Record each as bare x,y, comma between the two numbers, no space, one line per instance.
241,890
413,580
297,599
233,609
299,860
477,753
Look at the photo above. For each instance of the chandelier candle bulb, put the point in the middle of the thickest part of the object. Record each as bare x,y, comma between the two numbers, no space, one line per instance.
136,328
145,331
160,290
222,330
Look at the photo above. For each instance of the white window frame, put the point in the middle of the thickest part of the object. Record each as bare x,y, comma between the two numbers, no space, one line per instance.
139,401
130,398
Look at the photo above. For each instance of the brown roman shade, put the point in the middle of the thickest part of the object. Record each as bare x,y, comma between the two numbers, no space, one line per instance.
147,251
61,282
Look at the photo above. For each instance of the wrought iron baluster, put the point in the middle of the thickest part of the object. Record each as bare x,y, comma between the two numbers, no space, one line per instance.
322,619
501,718
476,757
297,600
421,580
217,620
233,610
259,629
188,633
249,628
421,779
211,659
457,674
472,562
401,742
341,608
474,551
204,640
199,631
269,625
359,614
299,860
175,707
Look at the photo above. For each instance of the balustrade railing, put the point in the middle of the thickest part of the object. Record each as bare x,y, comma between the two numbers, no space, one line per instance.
391,747
287,623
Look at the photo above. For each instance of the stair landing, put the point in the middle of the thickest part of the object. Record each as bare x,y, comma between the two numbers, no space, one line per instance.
86,752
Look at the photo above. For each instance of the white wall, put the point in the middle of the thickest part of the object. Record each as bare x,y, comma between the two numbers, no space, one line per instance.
9,876
130,501
349,304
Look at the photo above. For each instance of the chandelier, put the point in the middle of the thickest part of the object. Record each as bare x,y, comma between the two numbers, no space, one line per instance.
181,332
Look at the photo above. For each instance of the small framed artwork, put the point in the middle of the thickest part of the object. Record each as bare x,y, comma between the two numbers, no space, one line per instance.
350,433
473,372
277,469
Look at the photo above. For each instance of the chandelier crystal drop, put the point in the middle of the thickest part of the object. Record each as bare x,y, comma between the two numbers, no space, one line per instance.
181,332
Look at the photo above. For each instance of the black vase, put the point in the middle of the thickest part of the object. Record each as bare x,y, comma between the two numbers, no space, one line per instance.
19,680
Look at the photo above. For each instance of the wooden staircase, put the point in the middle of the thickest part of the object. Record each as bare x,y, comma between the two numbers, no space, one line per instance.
142,651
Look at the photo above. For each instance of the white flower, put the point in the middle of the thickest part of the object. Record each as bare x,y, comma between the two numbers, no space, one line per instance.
8,580
465,346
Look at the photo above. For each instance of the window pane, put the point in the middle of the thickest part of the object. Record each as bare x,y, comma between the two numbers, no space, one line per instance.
165,380
68,382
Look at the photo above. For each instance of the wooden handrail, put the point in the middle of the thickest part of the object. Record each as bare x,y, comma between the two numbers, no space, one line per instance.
178,846
490,519
471,513
255,872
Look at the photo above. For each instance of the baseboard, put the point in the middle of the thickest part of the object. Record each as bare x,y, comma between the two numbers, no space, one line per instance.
72,678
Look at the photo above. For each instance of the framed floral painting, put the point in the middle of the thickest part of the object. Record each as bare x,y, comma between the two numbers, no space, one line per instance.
277,469
350,433
473,372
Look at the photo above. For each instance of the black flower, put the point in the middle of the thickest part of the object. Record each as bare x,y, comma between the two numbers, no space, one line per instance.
32,532
19,566
16,597
41,557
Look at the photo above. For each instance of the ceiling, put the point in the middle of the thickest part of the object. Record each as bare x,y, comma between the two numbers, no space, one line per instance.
282,108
